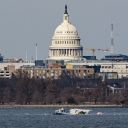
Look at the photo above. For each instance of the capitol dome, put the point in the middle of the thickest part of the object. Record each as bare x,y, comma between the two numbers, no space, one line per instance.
66,29
65,41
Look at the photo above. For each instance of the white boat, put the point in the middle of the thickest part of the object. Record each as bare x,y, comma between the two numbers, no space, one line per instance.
99,113
62,111
79,111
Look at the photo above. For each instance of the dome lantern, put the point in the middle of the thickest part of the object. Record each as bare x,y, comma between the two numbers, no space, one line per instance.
66,16
66,12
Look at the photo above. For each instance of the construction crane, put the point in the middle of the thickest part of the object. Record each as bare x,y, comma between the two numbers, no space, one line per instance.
93,50
104,50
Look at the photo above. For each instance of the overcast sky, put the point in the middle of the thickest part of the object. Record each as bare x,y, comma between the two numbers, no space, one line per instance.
23,23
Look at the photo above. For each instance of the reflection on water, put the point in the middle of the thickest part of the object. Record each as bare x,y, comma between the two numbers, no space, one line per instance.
44,118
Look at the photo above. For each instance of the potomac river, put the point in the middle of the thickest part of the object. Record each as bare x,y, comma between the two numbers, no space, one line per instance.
43,117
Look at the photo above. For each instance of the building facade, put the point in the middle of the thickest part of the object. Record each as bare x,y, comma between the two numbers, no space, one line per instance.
8,68
109,67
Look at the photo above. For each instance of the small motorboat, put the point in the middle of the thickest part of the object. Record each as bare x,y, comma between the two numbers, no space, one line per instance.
99,113
62,111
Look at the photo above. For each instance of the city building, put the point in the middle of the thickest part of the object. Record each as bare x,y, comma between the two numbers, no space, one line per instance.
80,71
116,57
9,67
108,67
52,72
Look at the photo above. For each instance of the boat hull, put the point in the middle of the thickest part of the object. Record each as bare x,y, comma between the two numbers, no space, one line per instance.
72,112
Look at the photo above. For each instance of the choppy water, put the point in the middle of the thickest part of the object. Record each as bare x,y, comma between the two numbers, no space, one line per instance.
43,118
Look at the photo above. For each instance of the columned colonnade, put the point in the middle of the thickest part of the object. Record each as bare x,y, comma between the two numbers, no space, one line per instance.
65,52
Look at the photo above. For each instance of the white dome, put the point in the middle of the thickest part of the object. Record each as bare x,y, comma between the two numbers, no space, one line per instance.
66,28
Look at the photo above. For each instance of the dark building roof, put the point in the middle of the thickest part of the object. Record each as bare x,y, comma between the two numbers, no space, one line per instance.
116,57
90,57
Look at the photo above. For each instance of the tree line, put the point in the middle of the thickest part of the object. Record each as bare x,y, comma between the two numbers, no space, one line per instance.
65,90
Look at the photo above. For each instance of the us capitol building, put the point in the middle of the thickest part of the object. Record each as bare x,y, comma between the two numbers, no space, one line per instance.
65,42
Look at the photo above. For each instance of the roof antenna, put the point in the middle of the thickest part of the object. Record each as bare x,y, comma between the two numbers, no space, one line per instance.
112,39
26,55
36,51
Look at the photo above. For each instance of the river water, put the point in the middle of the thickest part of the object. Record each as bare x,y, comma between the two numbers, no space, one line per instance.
44,118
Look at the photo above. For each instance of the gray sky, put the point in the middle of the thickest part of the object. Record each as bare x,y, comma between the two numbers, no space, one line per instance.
23,23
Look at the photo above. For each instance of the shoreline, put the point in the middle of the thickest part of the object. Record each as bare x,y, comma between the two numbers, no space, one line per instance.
59,106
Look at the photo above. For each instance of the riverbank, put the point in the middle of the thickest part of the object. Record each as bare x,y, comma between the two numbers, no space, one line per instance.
59,106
